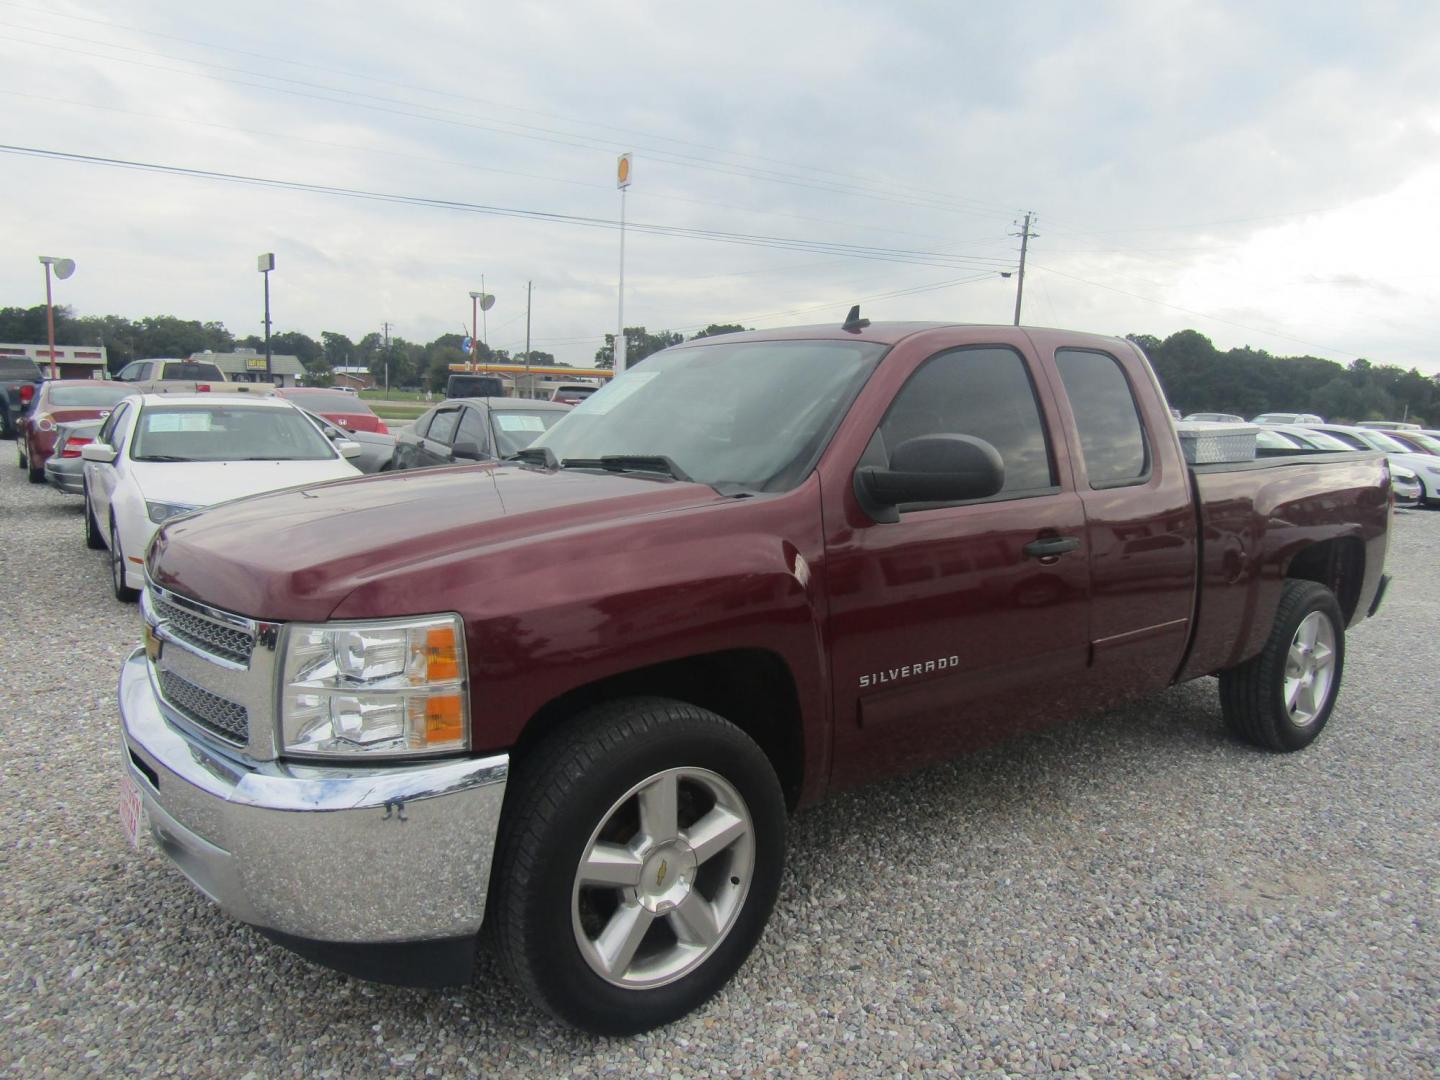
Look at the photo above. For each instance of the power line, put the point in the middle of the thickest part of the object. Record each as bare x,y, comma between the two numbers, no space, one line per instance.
371,79
412,157
856,251
524,131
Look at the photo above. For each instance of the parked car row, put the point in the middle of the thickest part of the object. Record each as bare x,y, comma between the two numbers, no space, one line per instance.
139,458
1413,454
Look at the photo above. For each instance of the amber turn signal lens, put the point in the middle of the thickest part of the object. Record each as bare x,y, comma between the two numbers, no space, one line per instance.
441,661
443,723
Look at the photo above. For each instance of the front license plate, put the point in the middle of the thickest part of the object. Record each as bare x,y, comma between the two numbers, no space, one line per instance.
132,811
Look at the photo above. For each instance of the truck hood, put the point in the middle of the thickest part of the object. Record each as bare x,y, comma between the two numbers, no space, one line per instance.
296,554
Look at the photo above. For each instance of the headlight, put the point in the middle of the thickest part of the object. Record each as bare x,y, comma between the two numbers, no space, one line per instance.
384,689
159,511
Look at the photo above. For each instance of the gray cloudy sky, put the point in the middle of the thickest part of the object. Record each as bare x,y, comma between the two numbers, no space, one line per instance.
1268,174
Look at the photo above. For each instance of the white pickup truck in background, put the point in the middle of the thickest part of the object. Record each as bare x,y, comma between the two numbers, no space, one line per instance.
184,376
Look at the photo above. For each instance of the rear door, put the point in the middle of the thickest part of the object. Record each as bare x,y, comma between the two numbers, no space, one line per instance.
1140,526
101,476
958,624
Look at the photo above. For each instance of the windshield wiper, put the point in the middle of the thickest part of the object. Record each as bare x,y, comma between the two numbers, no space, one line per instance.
535,455
623,463
161,457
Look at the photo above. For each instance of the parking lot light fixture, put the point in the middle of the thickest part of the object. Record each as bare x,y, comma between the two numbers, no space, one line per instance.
63,269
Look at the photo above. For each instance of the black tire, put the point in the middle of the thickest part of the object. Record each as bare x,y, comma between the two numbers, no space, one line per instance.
34,475
93,540
123,592
560,794
1253,695
7,429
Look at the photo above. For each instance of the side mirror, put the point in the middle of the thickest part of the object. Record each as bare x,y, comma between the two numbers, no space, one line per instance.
466,451
349,448
931,468
100,452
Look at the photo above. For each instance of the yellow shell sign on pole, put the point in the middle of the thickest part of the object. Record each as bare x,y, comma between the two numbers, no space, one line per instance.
622,181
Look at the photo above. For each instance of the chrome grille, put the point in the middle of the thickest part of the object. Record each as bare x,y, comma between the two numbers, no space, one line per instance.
226,642
225,718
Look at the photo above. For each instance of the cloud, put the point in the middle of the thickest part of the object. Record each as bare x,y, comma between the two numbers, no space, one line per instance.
1265,174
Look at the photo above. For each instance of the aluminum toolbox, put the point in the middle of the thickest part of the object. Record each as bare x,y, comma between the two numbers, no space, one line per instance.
1208,443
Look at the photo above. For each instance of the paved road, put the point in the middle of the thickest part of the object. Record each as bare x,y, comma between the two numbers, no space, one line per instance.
1133,893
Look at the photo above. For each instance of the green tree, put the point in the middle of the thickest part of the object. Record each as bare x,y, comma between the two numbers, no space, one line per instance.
336,349
639,343
720,328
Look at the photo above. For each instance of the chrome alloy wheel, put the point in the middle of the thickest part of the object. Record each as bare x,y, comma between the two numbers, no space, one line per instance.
1309,668
663,878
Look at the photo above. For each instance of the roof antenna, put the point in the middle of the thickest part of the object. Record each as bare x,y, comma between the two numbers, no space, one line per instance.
853,322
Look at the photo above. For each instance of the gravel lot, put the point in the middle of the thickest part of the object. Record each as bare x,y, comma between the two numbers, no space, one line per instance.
1134,893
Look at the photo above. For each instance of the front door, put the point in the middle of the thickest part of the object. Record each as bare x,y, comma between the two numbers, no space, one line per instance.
959,624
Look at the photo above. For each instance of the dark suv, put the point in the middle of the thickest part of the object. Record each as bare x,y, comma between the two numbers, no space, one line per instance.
20,377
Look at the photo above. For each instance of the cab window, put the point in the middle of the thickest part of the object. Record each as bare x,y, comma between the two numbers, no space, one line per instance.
1112,440
442,428
985,392
472,429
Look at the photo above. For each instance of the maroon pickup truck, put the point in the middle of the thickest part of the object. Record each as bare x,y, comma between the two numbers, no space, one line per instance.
575,696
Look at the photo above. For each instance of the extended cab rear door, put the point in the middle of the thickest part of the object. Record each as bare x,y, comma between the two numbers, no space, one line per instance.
1140,522
957,624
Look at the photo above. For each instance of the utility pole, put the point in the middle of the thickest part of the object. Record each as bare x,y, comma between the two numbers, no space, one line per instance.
385,329
529,381
1025,237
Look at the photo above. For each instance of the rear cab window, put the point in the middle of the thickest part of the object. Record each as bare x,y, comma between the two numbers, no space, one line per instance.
1113,445
190,371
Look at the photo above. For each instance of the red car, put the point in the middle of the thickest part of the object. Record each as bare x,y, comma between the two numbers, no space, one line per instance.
56,402
338,406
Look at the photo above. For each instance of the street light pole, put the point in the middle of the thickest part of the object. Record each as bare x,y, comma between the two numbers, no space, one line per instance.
479,301
266,263
63,269
622,181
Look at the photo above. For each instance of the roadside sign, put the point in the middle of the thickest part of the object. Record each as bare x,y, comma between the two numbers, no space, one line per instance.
622,172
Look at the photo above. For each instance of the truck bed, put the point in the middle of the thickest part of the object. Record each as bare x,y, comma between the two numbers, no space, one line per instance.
1249,534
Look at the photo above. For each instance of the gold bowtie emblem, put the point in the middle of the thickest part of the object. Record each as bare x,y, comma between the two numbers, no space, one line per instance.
660,873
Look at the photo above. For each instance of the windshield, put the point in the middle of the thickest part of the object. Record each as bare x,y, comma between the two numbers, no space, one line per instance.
86,397
1320,440
1273,440
516,429
1426,442
329,401
227,433
751,415
1380,441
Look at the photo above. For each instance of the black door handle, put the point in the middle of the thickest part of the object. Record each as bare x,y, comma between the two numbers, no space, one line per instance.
1050,547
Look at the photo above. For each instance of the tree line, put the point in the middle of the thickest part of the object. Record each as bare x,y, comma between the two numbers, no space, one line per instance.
1196,376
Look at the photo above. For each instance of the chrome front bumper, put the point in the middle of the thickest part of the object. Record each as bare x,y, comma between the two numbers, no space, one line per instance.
372,855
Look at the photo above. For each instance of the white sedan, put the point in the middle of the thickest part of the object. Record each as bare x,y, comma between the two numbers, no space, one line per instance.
159,455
